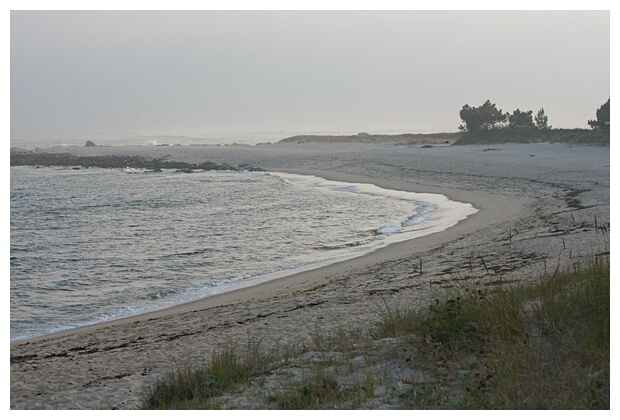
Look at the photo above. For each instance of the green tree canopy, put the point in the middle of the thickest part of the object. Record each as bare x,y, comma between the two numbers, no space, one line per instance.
602,117
520,119
541,120
484,117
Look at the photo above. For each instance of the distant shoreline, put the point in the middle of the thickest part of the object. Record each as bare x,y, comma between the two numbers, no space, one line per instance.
432,138
594,137
496,136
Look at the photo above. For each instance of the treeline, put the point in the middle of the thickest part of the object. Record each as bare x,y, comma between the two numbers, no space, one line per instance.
487,117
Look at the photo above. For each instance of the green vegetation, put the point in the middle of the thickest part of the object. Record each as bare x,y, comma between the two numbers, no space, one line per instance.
537,345
540,346
542,120
190,387
602,118
520,119
320,390
484,117
488,125
488,118
535,135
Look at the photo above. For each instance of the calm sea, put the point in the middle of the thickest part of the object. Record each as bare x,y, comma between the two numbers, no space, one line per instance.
92,245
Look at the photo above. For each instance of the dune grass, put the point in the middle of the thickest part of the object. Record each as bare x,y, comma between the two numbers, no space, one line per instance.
537,345
193,387
541,345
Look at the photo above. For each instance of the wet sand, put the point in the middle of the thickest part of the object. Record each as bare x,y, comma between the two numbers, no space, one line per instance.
536,207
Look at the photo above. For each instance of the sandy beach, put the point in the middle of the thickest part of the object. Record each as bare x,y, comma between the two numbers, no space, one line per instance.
537,206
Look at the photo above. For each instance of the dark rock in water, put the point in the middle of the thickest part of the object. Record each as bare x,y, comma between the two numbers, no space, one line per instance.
90,144
41,158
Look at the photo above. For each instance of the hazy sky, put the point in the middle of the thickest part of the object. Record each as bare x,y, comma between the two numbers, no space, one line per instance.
351,71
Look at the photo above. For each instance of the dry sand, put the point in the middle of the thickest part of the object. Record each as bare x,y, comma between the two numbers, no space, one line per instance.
537,206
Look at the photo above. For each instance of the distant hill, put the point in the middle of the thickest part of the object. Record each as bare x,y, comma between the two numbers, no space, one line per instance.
435,138
534,135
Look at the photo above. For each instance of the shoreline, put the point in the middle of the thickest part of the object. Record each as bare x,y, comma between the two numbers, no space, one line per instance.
537,208
307,277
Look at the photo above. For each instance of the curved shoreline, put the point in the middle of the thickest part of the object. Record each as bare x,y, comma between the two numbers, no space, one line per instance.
447,214
487,213
537,205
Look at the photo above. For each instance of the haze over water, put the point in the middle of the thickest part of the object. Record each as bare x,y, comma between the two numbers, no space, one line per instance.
167,72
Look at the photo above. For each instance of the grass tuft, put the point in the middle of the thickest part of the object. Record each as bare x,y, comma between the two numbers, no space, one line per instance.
191,387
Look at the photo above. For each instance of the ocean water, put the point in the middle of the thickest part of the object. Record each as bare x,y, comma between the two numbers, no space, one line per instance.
95,244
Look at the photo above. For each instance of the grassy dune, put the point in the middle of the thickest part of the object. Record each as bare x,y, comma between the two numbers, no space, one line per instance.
537,345
534,135
435,138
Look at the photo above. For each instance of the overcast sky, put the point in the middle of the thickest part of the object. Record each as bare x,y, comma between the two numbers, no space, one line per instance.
379,71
